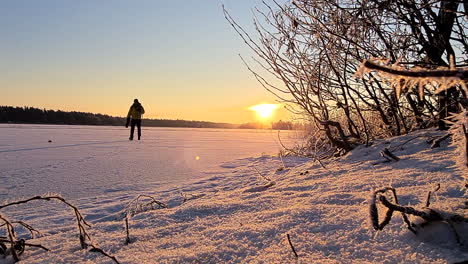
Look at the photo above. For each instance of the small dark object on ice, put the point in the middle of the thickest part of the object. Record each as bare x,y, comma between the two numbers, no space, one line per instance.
50,140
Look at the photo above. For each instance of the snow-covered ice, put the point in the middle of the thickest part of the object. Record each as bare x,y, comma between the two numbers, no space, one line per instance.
83,161
232,215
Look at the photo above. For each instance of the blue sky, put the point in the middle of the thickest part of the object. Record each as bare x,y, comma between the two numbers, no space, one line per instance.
179,57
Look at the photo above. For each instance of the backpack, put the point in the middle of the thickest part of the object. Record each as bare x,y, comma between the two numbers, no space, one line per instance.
138,108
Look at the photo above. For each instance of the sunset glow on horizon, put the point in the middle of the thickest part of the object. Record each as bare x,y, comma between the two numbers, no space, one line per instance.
264,111
97,56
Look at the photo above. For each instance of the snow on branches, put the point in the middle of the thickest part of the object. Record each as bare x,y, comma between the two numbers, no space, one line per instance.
440,79
404,80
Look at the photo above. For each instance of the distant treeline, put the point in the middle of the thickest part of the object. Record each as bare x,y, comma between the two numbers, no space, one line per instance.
31,115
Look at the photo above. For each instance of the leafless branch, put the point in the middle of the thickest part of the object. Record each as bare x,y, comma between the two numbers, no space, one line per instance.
421,73
17,246
136,206
292,247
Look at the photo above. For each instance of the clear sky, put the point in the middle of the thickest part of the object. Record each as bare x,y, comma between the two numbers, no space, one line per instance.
178,57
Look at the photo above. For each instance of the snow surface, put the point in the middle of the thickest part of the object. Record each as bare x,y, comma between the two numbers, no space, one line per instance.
83,161
232,215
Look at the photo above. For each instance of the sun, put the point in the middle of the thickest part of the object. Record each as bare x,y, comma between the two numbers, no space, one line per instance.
264,110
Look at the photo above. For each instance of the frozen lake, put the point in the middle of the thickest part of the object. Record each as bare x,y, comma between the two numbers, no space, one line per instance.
86,161
219,209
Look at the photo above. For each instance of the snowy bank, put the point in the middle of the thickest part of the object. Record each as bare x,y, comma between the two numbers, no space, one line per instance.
238,216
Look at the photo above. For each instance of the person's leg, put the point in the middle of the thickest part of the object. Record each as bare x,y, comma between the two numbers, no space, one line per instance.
132,129
138,123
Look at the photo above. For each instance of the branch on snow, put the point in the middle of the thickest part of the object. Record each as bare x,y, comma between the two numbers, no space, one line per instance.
137,206
17,246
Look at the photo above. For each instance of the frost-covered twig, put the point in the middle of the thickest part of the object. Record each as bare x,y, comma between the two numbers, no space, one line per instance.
81,223
459,130
22,242
437,141
428,215
127,231
282,162
286,148
261,175
17,246
11,238
421,73
136,207
388,155
188,196
393,148
428,200
374,213
99,250
465,149
31,229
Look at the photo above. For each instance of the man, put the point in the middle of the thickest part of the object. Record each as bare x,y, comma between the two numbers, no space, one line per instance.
135,113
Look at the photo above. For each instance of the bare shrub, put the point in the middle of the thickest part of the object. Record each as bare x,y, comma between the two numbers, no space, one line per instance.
314,48
17,246
142,203
387,197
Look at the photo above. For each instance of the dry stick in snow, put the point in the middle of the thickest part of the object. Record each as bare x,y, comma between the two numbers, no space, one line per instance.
321,164
292,247
23,224
268,185
404,143
428,215
127,240
261,175
136,207
428,200
374,213
184,196
465,132
188,196
25,244
288,149
81,223
439,140
282,162
11,238
79,218
98,250
389,155
299,154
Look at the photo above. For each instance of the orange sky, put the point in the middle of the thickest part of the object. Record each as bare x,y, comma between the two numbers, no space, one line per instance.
181,63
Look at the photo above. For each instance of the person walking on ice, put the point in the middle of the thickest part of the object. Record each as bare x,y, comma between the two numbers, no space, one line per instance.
134,114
